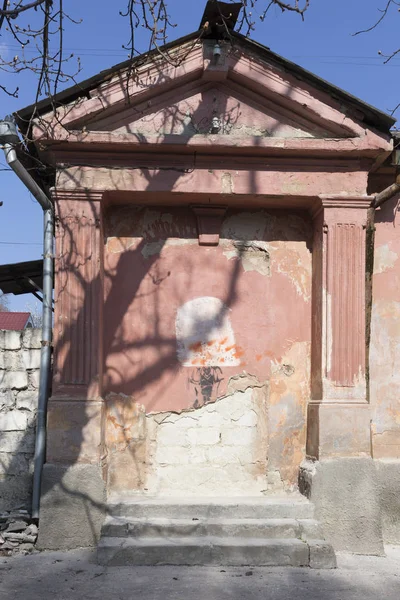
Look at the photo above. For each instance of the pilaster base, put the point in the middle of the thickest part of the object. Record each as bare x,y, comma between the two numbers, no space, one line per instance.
72,506
345,493
338,430
389,492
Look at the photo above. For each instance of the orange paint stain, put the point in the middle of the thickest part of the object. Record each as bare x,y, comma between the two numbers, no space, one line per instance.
196,347
258,357
239,352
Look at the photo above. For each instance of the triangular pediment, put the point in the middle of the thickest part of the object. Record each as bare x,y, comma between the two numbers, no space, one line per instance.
206,108
246,94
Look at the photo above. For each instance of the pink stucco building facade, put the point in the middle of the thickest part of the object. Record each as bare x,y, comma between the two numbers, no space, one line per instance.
226,301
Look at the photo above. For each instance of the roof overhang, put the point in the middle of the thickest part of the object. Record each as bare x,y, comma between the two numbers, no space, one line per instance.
22,278
369,115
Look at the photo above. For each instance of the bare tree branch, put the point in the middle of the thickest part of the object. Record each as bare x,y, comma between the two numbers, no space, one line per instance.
40,24
13,13
13,94
384,12
41,27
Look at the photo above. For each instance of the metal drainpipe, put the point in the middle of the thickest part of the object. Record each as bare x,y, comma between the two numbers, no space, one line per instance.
47,314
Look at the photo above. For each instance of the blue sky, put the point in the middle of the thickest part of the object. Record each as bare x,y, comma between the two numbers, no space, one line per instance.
323,44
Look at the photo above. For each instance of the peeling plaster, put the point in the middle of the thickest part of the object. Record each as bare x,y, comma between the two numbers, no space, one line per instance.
288,399
292,259
385,378
242,382
150,217
224,443
117,245
253,255
227,184
244,226
384,259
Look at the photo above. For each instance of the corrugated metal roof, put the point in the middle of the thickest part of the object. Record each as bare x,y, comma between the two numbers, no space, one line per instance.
15,321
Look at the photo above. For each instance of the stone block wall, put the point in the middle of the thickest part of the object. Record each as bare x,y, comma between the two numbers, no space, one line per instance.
219,448
19,383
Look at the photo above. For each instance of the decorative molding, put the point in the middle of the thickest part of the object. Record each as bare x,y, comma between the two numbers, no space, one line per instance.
346,290
343,403
328,201
59,194
209,220
334,201
77,294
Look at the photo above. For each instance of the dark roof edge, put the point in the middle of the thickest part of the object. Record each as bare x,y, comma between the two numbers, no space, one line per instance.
373,117
81,89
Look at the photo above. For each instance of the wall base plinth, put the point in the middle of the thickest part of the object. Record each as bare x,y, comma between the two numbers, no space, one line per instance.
336,429
72,508
388,472
345,492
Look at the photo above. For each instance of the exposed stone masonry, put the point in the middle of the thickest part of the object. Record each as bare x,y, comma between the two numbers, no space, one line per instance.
17,533
222,445
19,382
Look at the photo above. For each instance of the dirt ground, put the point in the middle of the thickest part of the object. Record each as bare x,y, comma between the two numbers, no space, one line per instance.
75,575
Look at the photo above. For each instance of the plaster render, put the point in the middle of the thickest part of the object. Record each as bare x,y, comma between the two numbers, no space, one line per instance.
238,116
384,356
298,181
280,91
181,274
345,492
166,404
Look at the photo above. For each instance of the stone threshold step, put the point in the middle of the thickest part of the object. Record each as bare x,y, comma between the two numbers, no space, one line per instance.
278,507
246,528
214,551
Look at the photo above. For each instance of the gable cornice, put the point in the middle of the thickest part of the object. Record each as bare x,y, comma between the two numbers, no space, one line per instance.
370,116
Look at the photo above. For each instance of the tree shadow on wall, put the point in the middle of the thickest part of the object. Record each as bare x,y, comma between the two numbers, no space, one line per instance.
74,421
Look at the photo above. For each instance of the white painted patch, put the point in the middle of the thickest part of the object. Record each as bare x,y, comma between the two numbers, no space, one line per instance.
204,334
385,259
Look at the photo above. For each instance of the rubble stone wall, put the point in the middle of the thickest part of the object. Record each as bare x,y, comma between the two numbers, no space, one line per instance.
19,383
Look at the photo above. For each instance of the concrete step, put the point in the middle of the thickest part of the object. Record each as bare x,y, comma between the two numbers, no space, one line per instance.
172,528
271,531
116,551
288,506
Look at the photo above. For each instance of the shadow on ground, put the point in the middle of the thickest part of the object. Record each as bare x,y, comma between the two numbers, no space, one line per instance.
75,575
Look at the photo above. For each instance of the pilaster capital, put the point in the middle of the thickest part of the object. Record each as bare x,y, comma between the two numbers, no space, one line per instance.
77,205
339,206
82,195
